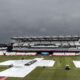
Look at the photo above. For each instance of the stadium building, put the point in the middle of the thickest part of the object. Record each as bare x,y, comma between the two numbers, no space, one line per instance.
47,45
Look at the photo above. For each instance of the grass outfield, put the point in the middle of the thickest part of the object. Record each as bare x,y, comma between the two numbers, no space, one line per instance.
57,72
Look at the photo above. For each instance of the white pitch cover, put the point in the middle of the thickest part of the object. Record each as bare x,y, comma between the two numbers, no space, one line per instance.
20,70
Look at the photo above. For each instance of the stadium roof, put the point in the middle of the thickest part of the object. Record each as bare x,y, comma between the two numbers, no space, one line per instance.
47,38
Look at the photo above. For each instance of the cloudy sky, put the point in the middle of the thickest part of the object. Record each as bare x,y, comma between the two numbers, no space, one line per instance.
39,17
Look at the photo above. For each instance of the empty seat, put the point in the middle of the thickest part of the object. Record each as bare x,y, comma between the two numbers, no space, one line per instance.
58,54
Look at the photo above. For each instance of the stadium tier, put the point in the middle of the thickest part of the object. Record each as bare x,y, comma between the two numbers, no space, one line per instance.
46,45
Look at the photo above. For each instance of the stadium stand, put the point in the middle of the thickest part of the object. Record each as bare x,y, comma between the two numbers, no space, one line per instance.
70,54
1,52
10,53
64,54
20,53
58,54
58,45
31,53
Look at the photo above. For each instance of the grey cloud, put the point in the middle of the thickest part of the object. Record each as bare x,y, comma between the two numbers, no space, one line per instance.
38,17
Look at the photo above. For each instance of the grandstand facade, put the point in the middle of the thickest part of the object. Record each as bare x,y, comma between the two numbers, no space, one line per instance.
46,43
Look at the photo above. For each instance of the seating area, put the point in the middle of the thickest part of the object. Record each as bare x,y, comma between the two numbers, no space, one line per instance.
35,53
31,53
58,54
70,54
1,52
65,54
17,53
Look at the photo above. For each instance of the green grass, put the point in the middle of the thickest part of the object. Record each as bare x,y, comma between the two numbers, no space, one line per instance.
57,72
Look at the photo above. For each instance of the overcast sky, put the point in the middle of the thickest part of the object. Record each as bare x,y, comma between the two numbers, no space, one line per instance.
39,17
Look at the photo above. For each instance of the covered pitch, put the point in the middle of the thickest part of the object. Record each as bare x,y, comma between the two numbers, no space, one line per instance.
21,68
77,64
